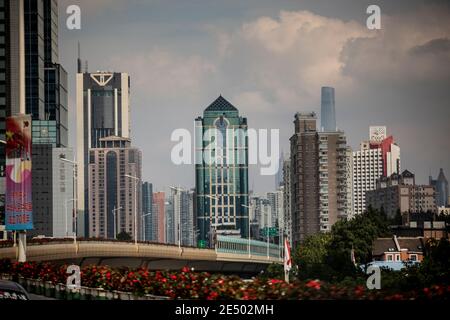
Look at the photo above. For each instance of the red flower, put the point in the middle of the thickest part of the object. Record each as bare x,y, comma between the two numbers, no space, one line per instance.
314,284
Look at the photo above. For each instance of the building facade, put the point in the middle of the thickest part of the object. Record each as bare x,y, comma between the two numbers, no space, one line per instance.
183,208
400,194
367,169
319,178
114,199
442,192
159,200
221,173
149,218
287,199
102,111
328,110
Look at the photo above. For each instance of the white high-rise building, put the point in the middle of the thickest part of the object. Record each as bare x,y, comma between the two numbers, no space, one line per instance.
367,168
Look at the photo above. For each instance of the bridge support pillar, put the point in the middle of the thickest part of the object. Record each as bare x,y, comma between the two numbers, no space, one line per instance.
22,247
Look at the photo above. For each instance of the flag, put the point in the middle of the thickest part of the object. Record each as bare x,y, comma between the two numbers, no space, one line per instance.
287,256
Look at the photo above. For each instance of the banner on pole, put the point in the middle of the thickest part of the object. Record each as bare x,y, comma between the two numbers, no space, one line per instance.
18,207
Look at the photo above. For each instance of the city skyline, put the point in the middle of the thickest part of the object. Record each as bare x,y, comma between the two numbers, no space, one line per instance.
179,71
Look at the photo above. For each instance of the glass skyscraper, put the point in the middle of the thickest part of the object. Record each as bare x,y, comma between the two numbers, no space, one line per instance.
221,173
328,110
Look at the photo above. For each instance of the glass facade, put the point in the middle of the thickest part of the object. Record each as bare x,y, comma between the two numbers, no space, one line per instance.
222,175
4,36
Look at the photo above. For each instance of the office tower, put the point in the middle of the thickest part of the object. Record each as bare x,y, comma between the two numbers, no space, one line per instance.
12,80
378,157
266,221
222,175
159,200
328,110
287,199
319,178
279,176
399,193
102,111
441,185
183,217
114,198
54,203
150,219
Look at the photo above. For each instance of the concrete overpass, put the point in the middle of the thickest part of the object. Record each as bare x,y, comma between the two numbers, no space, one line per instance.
230,255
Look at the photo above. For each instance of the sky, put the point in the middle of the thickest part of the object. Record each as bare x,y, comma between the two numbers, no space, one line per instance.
270,60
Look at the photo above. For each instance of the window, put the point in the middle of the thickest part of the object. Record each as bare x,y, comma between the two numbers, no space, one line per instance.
397,257
389,257
413,257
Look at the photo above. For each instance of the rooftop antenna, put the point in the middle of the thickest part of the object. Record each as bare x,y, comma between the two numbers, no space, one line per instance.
79,63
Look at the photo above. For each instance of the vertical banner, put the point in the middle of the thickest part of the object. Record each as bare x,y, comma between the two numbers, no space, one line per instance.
18,174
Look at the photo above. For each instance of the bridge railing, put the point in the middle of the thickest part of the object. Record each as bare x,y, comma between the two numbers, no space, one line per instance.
241,246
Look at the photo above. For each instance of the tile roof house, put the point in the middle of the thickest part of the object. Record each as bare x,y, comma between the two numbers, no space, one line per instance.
398,249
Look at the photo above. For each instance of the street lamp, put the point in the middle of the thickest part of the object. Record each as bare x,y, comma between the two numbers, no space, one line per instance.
75,189
179,217
135,205
115,220
65,207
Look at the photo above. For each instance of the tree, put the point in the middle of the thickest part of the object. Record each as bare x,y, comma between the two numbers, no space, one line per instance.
124,236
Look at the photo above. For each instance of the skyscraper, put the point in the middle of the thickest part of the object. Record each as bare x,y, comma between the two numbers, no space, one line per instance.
159,200
221,172
183,217
12,79
287,192
102,111
328,110
114,199
319,178
442,192
378,157
150,219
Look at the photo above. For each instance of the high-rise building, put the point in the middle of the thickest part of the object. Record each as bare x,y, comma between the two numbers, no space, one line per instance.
150,219
222,175
114,198
276,204
328,110
102,111
279,176
380,156
183,208
159,200
399,193
12,79
350,189
442,192
319,178
305,178
367,168
53,205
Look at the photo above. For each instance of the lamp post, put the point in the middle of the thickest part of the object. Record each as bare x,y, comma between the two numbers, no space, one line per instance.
135,205
115,220
75,190
66,219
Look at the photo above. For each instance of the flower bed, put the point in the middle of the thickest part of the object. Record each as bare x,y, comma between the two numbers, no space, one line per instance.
107,283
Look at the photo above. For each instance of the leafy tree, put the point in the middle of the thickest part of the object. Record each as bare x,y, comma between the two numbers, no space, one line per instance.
124,236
